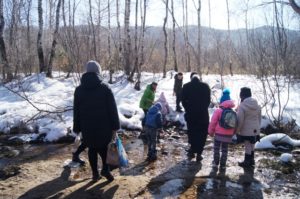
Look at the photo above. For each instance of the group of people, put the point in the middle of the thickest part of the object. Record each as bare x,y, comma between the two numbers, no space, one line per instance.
96,117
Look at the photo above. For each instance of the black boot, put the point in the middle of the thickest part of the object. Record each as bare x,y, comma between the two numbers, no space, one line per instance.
247,161
76,158
106,173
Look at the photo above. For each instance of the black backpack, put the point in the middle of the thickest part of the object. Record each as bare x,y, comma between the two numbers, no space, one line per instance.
228,119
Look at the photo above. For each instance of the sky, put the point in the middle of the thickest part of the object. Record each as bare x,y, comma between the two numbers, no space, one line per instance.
258,14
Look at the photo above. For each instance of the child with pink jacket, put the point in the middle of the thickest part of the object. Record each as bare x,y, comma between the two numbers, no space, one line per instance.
222,136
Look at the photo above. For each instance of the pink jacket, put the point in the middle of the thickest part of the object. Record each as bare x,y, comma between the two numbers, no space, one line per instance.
214,127
165,105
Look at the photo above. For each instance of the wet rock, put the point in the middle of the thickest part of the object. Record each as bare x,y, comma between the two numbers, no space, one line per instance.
9,171
8,152
177,137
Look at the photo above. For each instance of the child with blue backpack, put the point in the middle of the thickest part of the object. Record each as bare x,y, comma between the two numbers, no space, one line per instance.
153,124
222,128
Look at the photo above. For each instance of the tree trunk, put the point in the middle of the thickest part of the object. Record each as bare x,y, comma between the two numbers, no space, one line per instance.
174,36
93,31
6,68
166,39
229,46
198,58
136,53
119,61
39,38
111,71
295,6
54,42
28,37
127,40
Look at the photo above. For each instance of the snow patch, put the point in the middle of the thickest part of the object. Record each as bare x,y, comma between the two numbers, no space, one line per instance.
286,157
268,141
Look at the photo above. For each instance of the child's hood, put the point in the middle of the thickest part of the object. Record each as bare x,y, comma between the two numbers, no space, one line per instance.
250,104
155,108
227,104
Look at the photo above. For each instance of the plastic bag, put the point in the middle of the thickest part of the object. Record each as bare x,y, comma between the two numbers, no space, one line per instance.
123,159
112,157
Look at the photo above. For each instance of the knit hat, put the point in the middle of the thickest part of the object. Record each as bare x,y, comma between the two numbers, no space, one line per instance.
93,67
245,93
225,95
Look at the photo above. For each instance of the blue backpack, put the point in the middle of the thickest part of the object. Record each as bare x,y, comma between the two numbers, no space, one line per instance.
228,119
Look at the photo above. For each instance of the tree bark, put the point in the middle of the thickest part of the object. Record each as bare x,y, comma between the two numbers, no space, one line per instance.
136,53
6,68
54,42
39,38
198,58
166,39
295,6
174,36
127,40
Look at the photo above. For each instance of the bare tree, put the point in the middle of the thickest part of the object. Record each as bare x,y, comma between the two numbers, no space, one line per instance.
174,36
229,45
186,34
295,6
39,38
142,60
127,40
166,39
54,42
93,30
136,53
7,74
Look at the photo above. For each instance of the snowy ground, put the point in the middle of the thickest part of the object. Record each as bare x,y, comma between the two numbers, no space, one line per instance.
57,94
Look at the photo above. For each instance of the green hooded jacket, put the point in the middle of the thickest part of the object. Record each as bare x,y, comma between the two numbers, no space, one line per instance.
147,99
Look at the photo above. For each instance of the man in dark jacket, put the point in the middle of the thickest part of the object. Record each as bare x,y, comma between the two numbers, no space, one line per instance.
195,100
177,90
95,116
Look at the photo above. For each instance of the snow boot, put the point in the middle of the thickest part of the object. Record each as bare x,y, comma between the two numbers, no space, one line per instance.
76,158
106,173
199,157
96,177
247,161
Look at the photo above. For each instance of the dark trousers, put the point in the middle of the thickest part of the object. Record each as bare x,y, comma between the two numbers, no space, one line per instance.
224,148
93,159
151,137
178,100
197,135
144,119
80,149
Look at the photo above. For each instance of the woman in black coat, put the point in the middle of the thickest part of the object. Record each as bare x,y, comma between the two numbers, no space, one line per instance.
196,100
95,116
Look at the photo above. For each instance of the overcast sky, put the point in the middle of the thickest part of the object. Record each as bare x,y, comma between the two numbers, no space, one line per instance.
258,14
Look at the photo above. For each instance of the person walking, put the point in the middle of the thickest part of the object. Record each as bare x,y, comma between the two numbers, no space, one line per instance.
222,134
177,90
153,125
249,120
96,117
196,100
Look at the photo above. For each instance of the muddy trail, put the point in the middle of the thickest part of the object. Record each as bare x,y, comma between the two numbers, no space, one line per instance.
39,171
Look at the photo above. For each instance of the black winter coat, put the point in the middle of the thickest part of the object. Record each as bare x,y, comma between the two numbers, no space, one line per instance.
95,111
195,100
177,85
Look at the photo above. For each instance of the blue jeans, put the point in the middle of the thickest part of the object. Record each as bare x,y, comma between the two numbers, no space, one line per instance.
151,134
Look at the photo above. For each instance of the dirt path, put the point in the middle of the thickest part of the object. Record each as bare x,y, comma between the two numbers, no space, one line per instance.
43,175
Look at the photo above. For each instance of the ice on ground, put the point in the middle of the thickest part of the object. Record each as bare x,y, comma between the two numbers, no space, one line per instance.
269,141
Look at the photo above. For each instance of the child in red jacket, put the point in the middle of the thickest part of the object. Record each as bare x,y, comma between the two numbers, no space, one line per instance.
222,135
